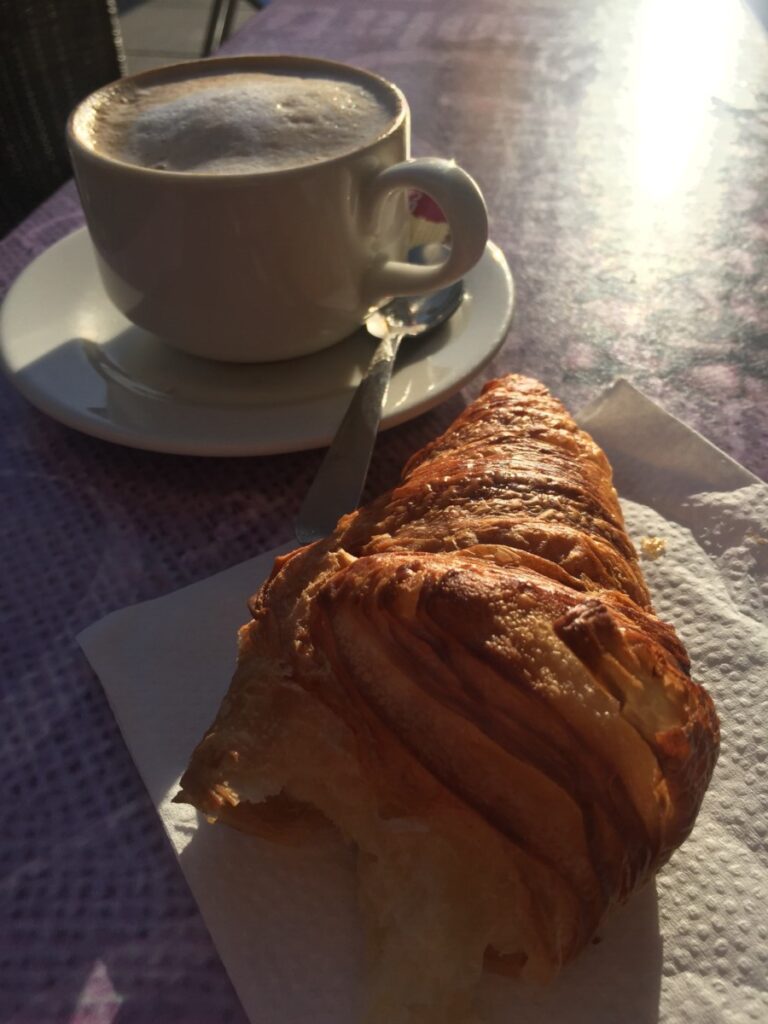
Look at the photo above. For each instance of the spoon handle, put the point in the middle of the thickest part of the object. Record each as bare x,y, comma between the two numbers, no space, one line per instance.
339,482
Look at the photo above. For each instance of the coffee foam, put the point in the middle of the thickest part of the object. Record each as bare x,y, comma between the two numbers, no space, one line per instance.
238,122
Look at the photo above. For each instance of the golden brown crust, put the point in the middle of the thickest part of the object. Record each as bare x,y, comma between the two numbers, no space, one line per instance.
474,653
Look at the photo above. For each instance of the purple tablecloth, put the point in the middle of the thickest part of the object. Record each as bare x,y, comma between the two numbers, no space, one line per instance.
623,151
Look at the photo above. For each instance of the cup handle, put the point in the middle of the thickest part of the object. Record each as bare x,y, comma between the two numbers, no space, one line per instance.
462,203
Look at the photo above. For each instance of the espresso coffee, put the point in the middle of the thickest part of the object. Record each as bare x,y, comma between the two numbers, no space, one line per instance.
234,123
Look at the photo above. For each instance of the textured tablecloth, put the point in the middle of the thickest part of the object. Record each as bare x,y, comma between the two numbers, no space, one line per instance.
623,151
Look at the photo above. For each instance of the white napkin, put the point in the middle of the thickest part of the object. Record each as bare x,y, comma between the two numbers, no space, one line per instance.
285,921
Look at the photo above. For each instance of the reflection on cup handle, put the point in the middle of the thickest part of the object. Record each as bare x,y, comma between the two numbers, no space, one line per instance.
463,206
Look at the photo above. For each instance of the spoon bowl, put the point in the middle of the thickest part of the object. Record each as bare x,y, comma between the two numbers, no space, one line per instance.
416,314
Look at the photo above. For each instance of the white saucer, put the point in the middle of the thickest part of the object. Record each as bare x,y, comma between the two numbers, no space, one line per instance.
75,357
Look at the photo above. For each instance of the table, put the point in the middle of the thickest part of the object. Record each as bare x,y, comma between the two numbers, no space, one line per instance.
623,150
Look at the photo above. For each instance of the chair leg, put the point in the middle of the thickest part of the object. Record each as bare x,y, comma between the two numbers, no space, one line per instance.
210,31
229,17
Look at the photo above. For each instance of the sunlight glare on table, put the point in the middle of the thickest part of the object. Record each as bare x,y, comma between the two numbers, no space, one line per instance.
685,58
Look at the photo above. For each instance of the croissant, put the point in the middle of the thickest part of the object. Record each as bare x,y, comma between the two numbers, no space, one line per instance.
467,679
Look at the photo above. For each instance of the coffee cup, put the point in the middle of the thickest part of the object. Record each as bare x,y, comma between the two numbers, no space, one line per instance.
255,208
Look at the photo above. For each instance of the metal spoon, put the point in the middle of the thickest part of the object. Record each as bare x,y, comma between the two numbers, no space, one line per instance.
339,482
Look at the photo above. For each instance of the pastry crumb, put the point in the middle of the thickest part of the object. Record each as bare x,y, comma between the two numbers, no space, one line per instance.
652,547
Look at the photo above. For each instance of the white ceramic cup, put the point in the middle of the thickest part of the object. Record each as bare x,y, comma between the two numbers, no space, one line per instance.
269,264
